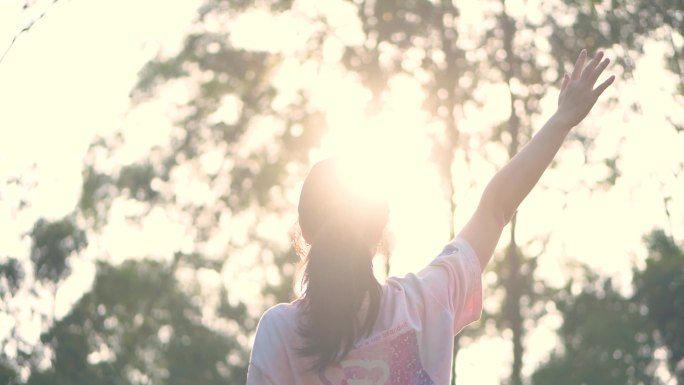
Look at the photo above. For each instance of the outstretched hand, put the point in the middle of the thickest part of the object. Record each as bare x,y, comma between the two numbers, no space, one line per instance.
577,94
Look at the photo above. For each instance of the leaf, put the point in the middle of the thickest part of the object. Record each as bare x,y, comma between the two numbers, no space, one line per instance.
52,244
11,276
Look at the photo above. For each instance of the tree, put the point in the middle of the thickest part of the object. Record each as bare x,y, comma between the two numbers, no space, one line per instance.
230,139
53,244
394,35
660,287
454,63
141,324
22,292
239,141
605,338
611,339
625,26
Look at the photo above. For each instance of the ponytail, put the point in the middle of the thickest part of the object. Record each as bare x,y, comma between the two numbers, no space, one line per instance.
338,279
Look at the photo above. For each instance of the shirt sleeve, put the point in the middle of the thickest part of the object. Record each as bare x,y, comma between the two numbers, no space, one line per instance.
268,359
454,280
255,376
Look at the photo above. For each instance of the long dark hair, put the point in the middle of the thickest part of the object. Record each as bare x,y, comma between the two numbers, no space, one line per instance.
343,229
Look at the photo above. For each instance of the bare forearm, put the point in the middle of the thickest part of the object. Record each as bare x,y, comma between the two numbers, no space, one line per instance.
511,184
509,187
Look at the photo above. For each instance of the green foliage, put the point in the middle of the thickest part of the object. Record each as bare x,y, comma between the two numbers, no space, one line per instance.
136,181
128,305
606,339
624,23
53,244
613,172
396,33
287,264
94,193
7,373
610,339
139,324
661,287
11,276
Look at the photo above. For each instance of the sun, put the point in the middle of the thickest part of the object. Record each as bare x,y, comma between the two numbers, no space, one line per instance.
387,155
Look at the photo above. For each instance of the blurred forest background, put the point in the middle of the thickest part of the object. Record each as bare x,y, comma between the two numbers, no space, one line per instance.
178,240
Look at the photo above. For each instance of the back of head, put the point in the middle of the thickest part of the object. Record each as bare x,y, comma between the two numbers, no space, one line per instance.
343,229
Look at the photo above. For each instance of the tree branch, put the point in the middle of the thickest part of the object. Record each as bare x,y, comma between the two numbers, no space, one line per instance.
25,29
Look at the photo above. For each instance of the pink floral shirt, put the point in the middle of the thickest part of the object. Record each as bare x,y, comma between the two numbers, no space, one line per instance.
411,342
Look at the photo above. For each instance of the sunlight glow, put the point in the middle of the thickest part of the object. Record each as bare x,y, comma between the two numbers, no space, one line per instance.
387,153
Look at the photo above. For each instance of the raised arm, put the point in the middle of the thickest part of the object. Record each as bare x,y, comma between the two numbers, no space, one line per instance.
515,180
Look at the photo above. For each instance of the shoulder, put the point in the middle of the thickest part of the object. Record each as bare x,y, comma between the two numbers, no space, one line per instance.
279,318
459,246
282,310
277,326
456,253
455,268
275,335
460,253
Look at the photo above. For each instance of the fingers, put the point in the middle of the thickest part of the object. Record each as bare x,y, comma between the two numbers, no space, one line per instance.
592,71
588,72
564,82
602,87
597,72
579,64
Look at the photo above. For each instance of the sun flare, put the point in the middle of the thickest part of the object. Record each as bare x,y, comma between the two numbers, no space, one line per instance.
387,154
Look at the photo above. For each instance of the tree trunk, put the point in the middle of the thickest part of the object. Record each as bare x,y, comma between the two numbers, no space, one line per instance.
513,291
449,82
513,279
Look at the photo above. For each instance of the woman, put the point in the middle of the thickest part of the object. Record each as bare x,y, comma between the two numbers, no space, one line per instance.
348,328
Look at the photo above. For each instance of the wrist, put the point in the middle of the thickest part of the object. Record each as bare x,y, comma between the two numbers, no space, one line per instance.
561,121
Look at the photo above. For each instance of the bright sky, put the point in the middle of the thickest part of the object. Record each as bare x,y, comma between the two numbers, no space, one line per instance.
69,77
